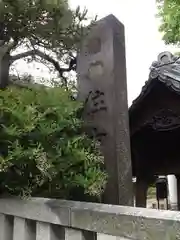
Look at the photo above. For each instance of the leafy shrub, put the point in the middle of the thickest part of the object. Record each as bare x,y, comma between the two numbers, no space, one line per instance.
43,151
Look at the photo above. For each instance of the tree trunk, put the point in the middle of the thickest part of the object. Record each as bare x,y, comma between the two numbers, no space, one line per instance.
4,70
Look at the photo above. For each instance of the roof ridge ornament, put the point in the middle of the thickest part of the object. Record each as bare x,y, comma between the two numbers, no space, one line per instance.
167,68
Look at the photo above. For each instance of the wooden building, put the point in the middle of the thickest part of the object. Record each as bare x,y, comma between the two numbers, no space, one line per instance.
155,126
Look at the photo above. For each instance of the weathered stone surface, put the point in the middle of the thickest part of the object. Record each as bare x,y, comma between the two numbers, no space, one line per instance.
6,227
101,68
123,222
75,234
109,237
24,229
40,209
46,231
128,222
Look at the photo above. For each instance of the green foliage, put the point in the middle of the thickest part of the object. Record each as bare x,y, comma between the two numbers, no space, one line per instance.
169,13
151,192
43,149
44,23
44,31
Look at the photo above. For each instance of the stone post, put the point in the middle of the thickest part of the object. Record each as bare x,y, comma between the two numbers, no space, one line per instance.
172,187
101,68
141,192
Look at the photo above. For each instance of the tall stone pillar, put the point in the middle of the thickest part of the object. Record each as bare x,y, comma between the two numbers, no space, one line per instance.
101,69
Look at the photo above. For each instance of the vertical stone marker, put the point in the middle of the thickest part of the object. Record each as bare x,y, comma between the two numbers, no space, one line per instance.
101,68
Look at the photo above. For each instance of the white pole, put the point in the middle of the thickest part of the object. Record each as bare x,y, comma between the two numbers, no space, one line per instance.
172,186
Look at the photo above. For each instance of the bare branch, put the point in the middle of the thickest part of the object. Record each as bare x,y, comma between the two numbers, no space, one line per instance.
45,57
2,42
3,50
6,47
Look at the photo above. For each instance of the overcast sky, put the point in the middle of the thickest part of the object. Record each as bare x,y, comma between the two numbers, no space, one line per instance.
143,41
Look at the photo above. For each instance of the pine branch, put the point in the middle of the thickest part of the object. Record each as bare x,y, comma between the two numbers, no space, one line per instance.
61,70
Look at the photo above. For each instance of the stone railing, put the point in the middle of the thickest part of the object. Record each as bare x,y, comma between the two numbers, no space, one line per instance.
48,219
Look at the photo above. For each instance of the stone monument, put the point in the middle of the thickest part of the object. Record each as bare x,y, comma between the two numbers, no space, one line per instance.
101,68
